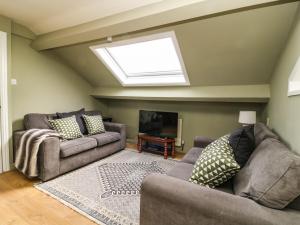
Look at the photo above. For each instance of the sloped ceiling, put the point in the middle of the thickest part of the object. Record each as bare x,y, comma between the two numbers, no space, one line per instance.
239,48
47,16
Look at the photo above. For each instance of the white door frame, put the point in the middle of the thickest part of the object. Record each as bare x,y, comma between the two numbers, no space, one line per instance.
4,128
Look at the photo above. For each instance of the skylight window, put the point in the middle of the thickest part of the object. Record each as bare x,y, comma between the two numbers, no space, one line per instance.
146,61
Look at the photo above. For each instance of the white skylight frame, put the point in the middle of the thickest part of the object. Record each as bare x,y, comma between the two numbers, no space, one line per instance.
175,78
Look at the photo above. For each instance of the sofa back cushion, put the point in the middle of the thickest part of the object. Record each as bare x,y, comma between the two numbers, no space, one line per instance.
38,121
262,132
271,175
93,113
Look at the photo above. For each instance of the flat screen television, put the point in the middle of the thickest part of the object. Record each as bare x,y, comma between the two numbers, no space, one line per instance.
158,124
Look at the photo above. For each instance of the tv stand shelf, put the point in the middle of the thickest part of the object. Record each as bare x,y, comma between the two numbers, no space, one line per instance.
151,139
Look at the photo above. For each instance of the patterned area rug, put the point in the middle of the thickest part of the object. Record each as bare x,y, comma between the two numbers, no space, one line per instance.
108,191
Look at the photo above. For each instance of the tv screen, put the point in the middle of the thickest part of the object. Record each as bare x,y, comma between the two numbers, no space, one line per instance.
159,124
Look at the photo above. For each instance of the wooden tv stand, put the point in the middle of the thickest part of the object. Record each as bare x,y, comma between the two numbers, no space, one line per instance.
165,141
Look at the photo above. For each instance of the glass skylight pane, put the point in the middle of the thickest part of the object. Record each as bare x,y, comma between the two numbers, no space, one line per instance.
147,58
153,60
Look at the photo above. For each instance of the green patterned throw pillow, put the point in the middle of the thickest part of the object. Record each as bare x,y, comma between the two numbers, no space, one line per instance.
94,124
216,164
67,127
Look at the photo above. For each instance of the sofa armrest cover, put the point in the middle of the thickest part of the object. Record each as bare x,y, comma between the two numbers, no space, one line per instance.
167,200
202,142
117,127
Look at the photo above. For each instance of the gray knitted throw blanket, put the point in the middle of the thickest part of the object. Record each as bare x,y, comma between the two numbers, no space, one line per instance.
28,149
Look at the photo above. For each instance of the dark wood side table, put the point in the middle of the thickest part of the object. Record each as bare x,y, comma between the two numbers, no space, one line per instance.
165,141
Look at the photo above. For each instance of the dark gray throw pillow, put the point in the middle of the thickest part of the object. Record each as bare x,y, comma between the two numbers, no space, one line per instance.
78,114
93,113
295,204
243,143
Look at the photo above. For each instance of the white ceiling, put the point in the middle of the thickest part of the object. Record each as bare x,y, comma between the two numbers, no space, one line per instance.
43,16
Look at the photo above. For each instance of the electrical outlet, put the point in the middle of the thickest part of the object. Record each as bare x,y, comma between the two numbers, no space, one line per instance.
268,121
13,81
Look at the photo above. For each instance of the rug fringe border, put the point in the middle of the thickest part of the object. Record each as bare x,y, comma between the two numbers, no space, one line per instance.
70,205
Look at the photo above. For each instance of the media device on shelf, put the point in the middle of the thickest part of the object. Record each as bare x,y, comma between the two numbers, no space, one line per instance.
158,124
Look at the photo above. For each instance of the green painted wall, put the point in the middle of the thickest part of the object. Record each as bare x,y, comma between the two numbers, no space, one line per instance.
5,24
206,119
284,111
45,84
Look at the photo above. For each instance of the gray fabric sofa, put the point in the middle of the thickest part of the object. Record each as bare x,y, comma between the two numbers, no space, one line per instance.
56,157
172,200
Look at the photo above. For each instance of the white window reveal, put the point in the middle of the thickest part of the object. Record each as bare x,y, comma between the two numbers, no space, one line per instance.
153,60
294,80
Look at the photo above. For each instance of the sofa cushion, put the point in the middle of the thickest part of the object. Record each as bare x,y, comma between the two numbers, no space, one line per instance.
271,175
68,127
192,155
242,142
94,124
262,132
72,147
78,114
182,171
38,121
216,164
106,138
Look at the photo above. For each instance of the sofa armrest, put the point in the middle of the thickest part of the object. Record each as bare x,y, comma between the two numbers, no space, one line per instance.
49,158
167,200
117,127
202,142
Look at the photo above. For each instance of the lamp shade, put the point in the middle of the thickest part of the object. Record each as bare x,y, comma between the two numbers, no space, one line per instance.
247,117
